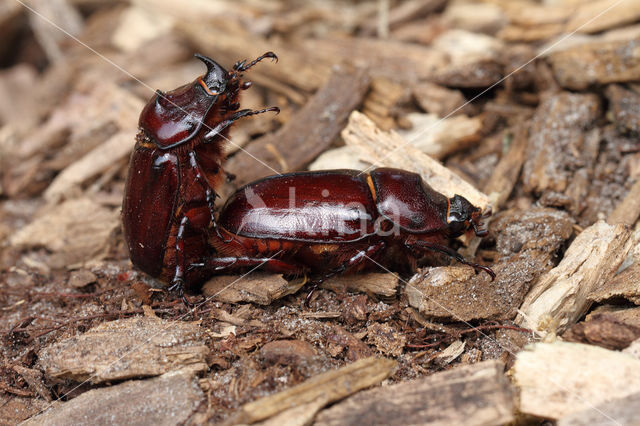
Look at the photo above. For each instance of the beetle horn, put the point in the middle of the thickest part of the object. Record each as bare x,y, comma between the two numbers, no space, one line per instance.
216,76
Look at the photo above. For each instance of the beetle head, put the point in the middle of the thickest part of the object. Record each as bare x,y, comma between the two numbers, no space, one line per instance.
462,216
216,79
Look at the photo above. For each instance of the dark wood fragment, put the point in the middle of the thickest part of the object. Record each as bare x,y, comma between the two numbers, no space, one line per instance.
308,133
603,330
557,141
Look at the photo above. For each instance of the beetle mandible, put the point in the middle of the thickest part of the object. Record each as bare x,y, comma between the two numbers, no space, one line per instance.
324,223
168,206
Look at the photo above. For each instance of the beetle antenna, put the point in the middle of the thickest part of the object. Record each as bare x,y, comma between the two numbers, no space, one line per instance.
243,66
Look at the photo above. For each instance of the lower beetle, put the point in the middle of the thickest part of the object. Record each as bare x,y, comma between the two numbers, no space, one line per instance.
324,223
168,206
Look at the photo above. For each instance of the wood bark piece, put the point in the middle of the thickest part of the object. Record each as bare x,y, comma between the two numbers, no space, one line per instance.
96,162
610,14
308,133
561,296
440,100
505,174
327,387
388,149
623,411
166,400
560,378
605,330
477,394
260,288
400,62
624,107
579,67
385,285
624,285
557,142
76,231
628,211
344,157
440,137
123,349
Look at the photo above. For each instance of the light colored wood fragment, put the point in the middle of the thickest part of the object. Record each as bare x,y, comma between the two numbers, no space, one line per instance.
345,157
628,211
327,387
166,400
124,349
96,162
440,137
301,415
138,25
260,288
388,149
440,100
465,48
561,296
477,394
579,67
633,349
385,285
76,230
600,15
560,378
622,412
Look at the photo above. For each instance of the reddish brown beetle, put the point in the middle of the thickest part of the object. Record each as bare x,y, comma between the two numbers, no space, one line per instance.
168,207
328,222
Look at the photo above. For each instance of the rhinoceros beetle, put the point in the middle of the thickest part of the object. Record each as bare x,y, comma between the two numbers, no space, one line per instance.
324,223
175,168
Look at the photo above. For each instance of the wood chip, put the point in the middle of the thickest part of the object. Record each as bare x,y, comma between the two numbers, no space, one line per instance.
166,400
385,285
624,285
124,349
561,296
604,330
579,67
560,378
388,149
621,411
308,133
505,174
440,137
96,162
77,230
440,100
624,108
327,387
557,141
260,288
478,394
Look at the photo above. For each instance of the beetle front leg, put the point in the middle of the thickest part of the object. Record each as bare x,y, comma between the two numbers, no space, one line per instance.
423,246
177,283
210,194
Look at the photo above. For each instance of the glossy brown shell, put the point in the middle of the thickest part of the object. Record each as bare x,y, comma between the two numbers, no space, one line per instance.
326,206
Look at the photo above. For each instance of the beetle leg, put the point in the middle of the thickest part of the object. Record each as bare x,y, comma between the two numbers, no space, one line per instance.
233,117
355,260
210,194
177,283
425,245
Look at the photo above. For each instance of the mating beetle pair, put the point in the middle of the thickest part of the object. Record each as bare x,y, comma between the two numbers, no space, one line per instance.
316,223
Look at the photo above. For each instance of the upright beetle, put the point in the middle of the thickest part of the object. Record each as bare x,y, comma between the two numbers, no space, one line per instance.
168,207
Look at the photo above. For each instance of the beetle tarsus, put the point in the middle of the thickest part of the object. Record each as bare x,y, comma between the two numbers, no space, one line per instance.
241,66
